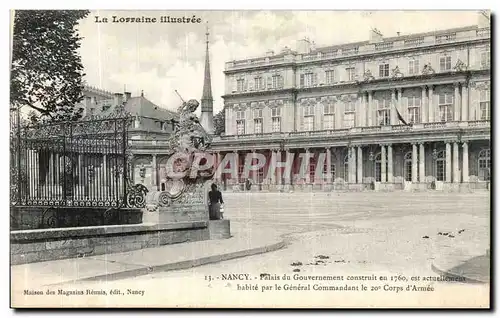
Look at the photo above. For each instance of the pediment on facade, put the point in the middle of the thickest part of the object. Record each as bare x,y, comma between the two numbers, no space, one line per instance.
396,72
460,66
367,76
428,69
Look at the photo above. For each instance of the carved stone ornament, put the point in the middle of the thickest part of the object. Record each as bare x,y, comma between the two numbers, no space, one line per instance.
367,76
396,72
483,85
328,99
460,66
428,69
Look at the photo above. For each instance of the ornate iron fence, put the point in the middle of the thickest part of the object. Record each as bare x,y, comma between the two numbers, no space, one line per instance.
74,164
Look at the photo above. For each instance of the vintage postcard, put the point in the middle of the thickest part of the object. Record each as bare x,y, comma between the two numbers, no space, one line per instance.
250,159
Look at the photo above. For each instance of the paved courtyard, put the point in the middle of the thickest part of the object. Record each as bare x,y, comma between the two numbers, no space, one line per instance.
397,235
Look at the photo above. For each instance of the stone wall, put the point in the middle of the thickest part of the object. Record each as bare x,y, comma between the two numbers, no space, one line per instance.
30,218
42,245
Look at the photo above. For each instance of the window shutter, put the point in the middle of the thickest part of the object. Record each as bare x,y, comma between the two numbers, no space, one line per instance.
301,80
315,79
269,82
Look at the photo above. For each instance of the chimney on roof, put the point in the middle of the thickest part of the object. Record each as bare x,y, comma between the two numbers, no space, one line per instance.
398,33
118,100
376,36
127,96
304,46
483,19
142,93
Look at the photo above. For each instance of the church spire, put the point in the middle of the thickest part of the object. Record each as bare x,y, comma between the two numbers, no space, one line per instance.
207,107
207,83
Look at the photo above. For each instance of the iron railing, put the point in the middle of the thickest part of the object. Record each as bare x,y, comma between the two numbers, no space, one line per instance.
74,164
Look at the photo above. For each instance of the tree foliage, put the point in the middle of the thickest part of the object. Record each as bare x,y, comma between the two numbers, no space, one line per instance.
46,70
220,123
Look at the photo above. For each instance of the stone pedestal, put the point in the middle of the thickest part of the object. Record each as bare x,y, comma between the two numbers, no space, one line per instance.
219,229
190,205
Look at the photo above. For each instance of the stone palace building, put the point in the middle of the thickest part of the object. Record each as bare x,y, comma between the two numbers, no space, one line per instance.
346,101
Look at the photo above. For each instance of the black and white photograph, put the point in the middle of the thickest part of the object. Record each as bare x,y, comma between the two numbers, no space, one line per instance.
250,159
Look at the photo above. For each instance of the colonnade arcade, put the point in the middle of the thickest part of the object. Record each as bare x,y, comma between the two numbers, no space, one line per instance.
449,161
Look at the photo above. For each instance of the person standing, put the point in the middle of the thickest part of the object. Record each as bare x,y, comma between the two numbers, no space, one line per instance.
215,202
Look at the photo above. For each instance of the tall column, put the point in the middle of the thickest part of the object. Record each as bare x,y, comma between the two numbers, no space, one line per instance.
448,162
424,106
390,164
153,172
352,164
394,105
456,171
360,164
432,112
236,177
328,151
369,110
307,172
456,107
465,102
414,163
383,169
421,163
465,162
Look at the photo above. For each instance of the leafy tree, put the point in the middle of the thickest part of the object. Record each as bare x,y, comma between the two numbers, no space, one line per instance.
46,70
220,122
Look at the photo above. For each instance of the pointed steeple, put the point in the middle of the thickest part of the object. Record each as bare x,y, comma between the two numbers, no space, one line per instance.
207,107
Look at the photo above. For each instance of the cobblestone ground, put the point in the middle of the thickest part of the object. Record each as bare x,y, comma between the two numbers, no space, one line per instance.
345,234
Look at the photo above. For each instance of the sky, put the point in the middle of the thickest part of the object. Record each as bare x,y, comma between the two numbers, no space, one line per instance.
159,58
